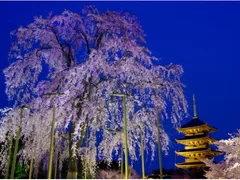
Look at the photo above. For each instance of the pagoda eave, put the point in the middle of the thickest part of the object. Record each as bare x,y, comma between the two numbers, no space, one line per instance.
198,153
194,141
196,129
190,165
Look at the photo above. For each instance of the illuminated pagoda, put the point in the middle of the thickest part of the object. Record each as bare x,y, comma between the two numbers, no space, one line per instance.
196,142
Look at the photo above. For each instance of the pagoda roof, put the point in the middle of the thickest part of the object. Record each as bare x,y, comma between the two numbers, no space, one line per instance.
196,126
194,122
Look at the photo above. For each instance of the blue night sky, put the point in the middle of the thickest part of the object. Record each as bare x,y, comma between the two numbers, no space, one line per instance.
204,37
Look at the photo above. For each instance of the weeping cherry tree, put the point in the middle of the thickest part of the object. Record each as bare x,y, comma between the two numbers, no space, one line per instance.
87,56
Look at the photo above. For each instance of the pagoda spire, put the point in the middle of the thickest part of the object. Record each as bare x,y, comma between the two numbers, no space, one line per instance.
194,107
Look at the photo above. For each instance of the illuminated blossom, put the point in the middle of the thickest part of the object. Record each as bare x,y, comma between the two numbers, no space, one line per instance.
229,167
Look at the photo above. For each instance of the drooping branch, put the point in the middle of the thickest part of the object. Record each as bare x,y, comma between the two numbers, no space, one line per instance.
99,39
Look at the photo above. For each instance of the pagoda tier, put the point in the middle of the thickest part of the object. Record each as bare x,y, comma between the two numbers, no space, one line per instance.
189,165
195,126
196,142
200,153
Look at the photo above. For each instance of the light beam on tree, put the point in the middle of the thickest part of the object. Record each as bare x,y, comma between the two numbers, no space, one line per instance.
51,145
31,168
142,152
85,162
17,143
56,163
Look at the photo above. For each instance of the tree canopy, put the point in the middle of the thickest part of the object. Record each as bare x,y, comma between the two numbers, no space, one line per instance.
80,60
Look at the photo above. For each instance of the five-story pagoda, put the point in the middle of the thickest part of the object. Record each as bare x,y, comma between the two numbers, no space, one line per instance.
196,143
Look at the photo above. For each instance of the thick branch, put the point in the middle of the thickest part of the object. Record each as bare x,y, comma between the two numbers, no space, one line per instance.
99,39
87,43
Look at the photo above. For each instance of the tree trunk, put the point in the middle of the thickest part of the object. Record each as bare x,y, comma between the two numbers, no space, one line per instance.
72,164
9,158
72,168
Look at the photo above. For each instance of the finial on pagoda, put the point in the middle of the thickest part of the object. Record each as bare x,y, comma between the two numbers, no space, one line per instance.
194,107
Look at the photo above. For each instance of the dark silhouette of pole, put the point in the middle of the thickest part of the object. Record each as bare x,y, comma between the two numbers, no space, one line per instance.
51,145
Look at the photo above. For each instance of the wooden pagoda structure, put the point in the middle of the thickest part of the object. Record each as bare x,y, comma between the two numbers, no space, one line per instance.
196,142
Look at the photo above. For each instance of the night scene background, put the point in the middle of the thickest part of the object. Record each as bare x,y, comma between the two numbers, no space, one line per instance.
203,37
